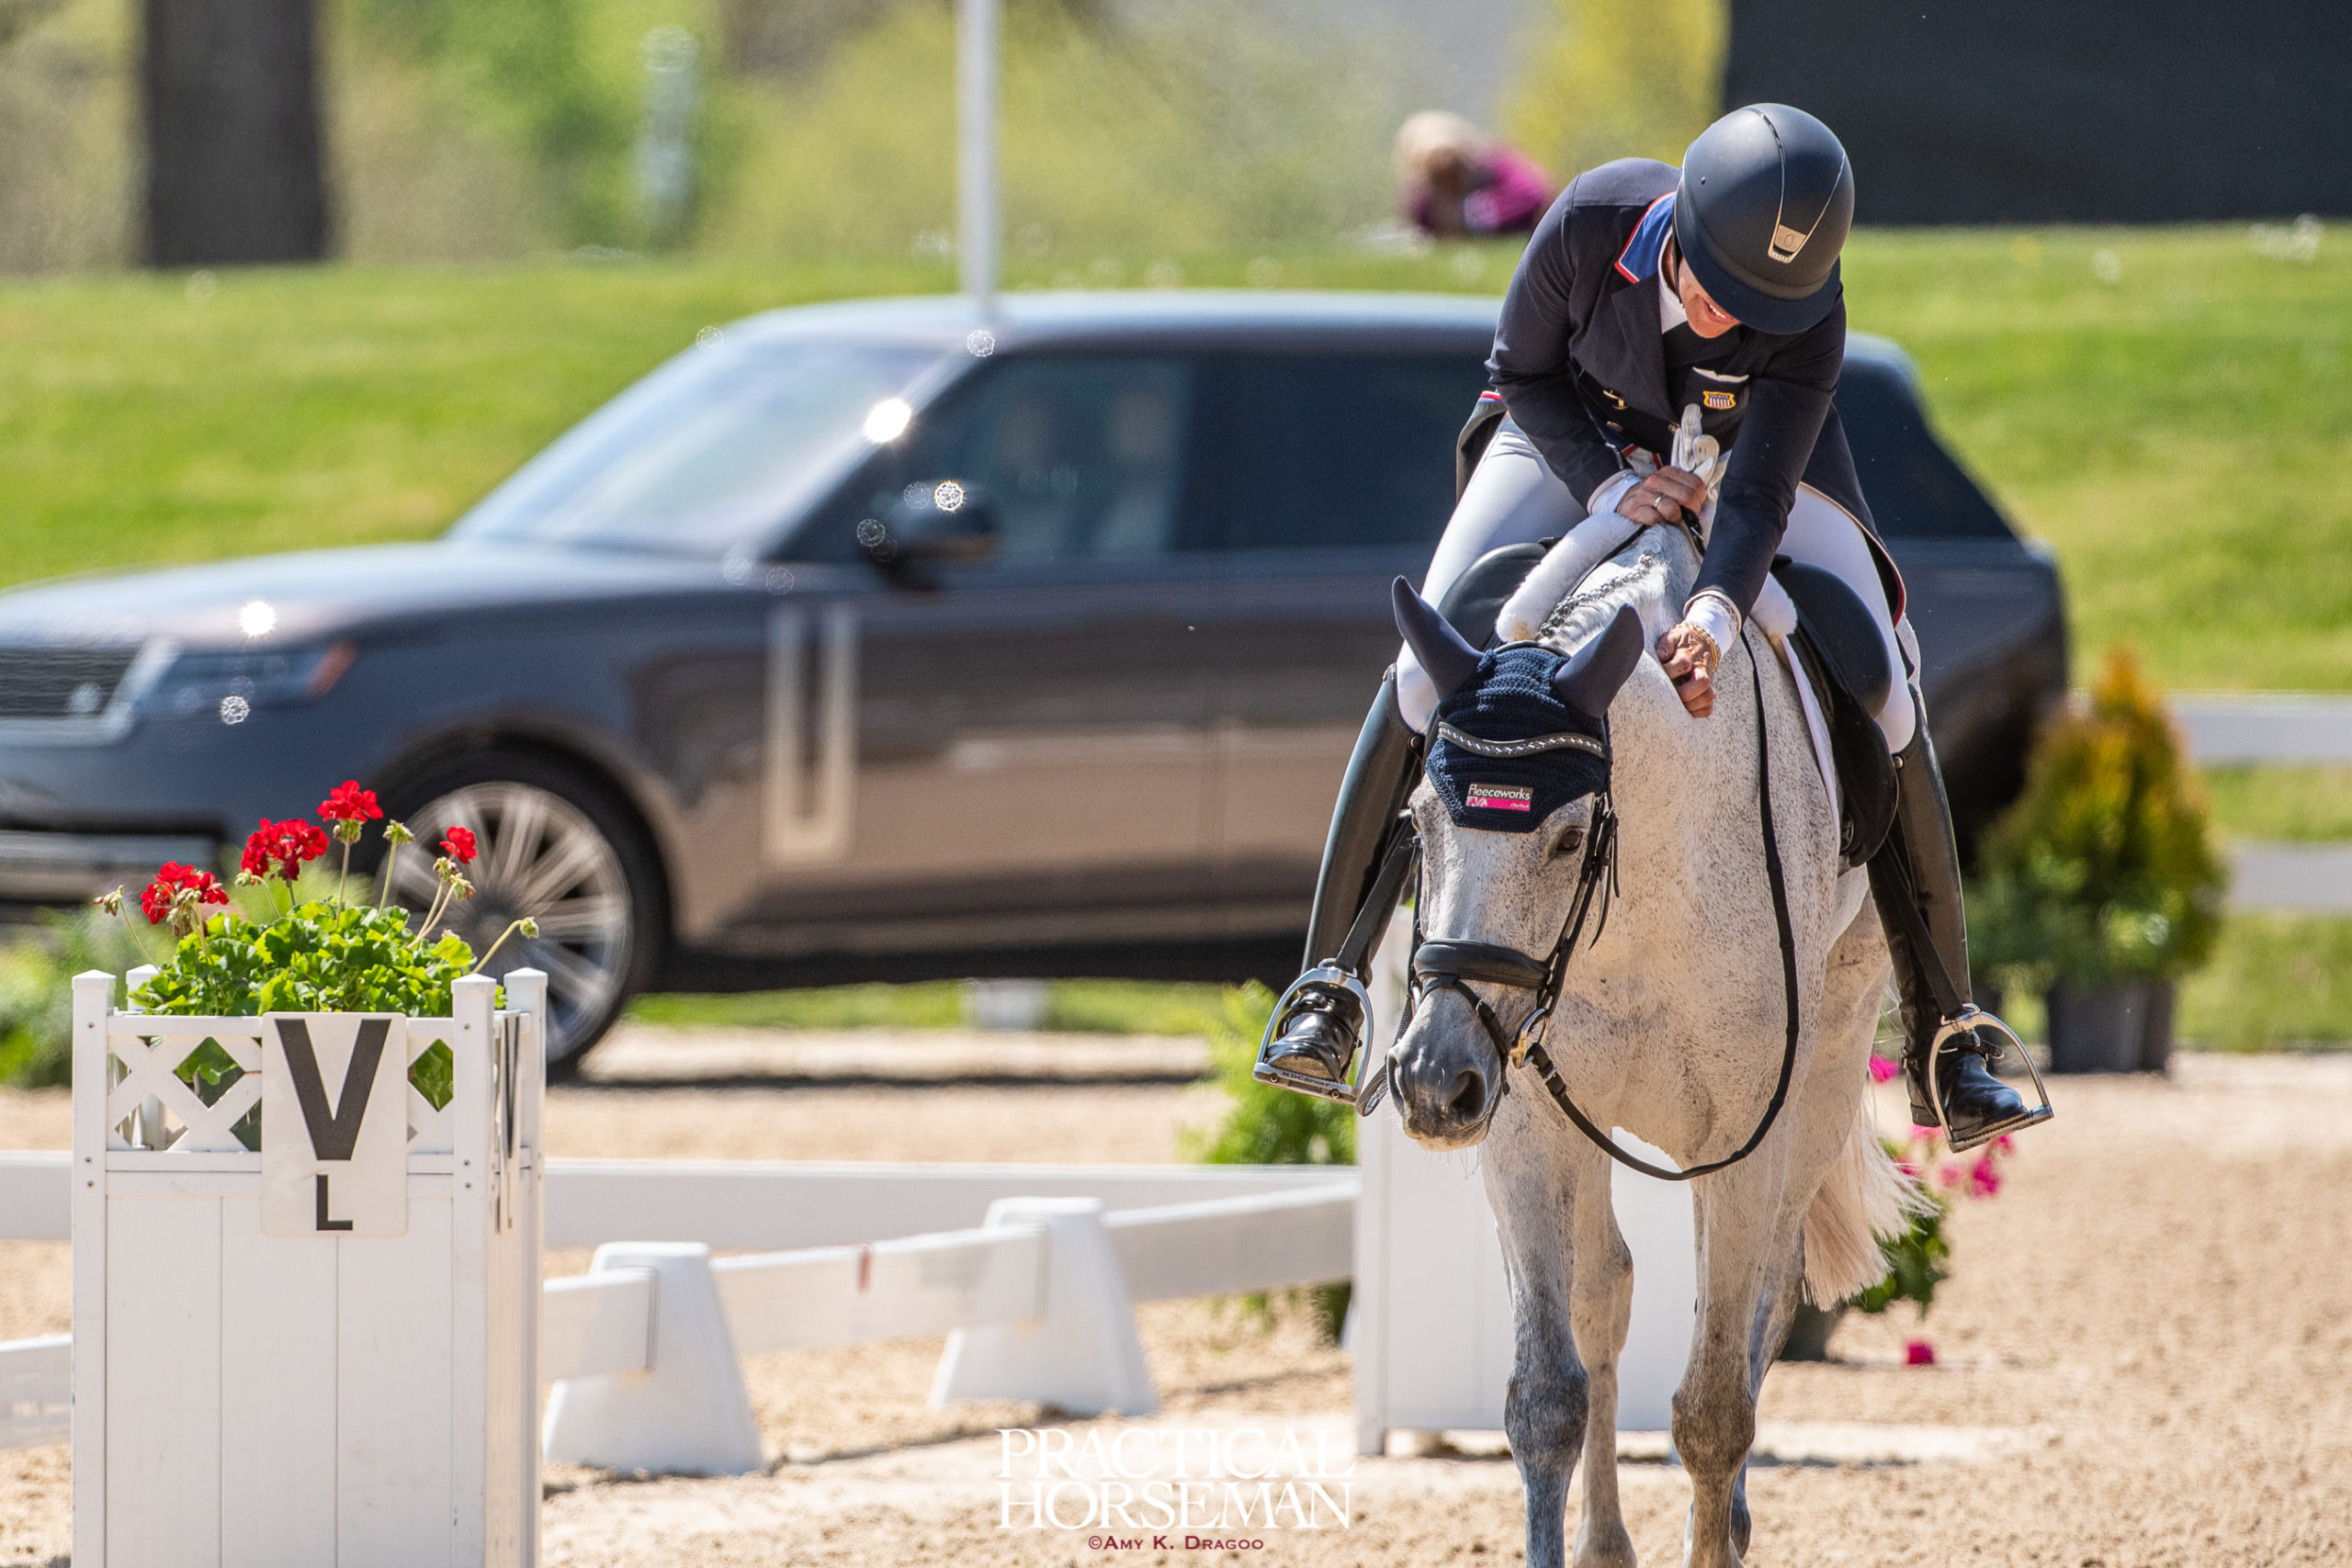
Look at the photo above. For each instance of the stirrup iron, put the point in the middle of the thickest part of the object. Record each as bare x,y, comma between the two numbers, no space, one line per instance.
1968,1021
1330,976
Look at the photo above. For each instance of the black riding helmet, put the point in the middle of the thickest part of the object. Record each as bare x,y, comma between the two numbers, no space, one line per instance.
1766,200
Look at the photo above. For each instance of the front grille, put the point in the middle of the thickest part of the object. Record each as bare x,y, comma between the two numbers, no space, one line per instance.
61,683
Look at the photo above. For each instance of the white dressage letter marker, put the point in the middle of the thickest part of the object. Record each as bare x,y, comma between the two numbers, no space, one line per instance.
333,1123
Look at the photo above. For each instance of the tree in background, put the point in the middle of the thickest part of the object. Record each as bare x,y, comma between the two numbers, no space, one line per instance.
234,169
69,178
1618,79
513,87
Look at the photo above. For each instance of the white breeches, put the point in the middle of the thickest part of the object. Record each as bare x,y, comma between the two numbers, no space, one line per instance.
1513,498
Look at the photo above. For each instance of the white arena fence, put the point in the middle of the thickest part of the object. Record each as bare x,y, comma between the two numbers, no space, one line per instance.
2276,728
1035,1286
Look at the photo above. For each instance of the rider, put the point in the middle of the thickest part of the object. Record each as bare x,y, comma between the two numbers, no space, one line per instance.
1646,290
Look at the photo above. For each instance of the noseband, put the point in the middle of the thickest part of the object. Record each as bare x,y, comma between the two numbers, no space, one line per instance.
1448,964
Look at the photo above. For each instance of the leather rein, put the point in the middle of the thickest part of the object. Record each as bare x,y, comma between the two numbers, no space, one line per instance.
1448,966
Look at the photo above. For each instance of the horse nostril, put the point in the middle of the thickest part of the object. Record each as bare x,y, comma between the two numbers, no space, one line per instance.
1468,1097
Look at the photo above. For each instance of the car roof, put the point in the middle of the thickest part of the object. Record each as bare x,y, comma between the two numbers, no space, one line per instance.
1192,315
1024,320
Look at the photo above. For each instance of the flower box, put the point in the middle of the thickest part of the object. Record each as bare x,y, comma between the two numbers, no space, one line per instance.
335,1397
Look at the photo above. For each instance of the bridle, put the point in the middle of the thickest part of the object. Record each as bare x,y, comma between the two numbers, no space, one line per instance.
1449,965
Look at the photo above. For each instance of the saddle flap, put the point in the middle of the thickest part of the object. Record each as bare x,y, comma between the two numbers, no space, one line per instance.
1866,781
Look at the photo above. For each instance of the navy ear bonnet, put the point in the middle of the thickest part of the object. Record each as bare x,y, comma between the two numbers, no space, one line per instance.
1506,752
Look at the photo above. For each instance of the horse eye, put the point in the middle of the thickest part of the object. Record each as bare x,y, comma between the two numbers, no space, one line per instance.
1569,843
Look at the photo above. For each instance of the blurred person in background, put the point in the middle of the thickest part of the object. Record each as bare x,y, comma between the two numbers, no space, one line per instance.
1453,180
1652,301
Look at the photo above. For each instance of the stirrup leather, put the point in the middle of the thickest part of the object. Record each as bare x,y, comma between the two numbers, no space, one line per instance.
1329,977
1968,1021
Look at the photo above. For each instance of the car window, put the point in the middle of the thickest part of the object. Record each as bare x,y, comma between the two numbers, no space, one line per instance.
1323,451
1915,489
1075,457
716,445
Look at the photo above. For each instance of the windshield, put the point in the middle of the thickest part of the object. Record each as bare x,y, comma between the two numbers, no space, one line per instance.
716,446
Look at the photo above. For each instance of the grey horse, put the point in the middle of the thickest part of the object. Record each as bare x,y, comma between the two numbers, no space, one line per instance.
1670,1023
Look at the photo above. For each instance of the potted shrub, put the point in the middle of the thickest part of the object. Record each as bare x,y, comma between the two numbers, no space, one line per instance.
2102,887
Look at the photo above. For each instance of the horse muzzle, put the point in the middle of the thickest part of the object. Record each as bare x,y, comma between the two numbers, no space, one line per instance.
1445,1076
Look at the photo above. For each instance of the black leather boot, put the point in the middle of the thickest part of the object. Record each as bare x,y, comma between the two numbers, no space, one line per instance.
1914,877
1312,1040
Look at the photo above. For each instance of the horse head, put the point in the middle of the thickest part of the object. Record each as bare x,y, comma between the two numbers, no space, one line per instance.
1513,813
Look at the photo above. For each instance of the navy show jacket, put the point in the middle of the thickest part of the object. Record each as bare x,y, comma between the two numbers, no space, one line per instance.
1580,362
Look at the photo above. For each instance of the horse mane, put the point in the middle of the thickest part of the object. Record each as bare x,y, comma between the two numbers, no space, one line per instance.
1652,571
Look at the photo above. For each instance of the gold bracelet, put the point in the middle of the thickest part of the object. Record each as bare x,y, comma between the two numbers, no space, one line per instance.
1714,653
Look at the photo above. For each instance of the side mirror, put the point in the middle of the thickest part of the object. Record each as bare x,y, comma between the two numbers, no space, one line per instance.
944,522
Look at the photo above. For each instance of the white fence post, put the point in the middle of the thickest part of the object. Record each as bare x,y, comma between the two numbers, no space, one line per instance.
1083,1355
689,1411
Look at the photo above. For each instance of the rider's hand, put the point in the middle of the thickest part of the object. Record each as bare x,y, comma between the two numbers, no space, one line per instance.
1663,496
1689,664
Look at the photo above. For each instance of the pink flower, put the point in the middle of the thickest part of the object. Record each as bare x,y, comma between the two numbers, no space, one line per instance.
1947,1175
1983,1177
1918,1353
1882,1070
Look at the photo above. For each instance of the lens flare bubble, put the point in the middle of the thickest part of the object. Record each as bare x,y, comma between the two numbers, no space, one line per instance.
233,709
710,337
871,533
888,419
779,579
949,496
980,343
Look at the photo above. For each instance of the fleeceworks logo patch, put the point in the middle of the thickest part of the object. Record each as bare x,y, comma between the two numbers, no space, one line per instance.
1498,797
1196,1488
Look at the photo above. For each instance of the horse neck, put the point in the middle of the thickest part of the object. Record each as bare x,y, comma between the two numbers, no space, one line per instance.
1683,789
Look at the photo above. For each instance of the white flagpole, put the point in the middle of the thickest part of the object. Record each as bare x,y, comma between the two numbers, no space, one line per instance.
978,214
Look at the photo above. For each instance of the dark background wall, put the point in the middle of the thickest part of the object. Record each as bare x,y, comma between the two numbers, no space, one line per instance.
2066,111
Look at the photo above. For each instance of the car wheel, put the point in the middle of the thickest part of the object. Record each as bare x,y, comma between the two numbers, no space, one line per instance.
556,847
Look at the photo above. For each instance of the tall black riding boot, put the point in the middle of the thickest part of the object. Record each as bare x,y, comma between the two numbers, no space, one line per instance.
1314,1038
1915,878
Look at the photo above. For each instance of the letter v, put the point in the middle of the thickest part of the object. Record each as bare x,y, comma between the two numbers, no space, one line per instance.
333,1136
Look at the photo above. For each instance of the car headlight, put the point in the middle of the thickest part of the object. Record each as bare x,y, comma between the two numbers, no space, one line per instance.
232,685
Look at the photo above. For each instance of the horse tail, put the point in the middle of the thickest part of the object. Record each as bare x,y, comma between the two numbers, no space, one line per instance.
1863,1198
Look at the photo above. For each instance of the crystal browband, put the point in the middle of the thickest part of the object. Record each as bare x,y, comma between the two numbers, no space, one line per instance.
1527,747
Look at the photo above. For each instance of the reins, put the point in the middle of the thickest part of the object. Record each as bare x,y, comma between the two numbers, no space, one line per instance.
1448,966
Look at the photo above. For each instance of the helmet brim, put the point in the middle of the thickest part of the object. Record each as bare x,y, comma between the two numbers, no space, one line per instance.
1750,306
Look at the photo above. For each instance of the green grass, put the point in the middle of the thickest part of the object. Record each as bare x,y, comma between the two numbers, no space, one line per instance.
1091,1007
2313,804
2178,435
2276,980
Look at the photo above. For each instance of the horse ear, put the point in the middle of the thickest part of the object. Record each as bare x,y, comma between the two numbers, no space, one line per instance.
1592,675
1446,658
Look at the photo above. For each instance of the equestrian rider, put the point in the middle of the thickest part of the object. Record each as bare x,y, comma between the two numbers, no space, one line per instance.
1644,291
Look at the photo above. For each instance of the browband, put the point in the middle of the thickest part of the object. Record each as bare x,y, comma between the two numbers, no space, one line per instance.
1527,747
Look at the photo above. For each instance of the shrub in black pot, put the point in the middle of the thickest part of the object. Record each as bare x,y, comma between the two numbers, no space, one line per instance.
2102,887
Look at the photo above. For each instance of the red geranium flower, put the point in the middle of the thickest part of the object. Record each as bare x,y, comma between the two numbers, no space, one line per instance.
283,846
348,803
459,846
172,879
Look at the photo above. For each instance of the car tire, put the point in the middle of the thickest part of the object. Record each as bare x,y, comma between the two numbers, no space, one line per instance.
557,845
